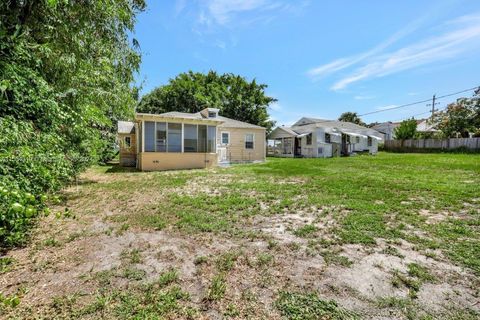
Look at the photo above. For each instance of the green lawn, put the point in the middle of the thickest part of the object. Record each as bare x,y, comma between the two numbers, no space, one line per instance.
244,230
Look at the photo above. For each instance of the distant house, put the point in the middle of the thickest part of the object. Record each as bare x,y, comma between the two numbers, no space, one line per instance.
388,128
177,140
317,138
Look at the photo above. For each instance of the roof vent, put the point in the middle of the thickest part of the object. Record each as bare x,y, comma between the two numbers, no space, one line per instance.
210,113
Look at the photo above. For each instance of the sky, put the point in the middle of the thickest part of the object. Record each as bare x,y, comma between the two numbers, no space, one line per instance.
320,58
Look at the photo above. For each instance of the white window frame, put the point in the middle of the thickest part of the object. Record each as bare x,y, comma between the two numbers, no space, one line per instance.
221,138
253,141
311,139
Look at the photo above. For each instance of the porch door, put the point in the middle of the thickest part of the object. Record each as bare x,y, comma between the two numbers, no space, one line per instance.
344,150
222,154
298,147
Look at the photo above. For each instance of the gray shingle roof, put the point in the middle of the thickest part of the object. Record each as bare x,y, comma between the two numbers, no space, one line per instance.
126,127
310,124
185,115
231,123
226,122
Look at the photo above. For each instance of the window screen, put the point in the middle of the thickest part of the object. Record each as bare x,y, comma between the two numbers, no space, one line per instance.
190,135
161,137
211,136
149,136
174,137
202,138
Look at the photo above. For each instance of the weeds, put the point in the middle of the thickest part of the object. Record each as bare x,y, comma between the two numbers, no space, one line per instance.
309,306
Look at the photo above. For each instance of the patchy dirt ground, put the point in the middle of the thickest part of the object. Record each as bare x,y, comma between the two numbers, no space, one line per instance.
108,242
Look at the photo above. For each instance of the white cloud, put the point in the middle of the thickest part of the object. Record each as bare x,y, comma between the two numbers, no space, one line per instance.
360,97
226,12
222,10
447,45
179,6
386,107
275,106
344,63
221,44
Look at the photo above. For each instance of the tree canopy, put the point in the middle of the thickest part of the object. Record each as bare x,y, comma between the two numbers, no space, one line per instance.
66,74
192,92
460,118
351,117
406,130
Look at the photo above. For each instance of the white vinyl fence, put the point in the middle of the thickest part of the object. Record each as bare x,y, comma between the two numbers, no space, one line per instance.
453,143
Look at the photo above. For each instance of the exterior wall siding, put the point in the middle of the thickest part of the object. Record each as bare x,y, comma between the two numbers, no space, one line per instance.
236,151
154,161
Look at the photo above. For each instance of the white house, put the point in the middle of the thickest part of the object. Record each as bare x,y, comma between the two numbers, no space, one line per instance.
319,138
388,128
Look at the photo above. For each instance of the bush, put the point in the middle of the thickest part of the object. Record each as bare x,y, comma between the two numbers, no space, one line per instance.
66,76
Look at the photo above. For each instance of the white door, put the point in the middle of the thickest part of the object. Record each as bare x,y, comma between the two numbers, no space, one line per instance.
222,154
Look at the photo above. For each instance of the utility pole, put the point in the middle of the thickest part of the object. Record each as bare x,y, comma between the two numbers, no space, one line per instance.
433,107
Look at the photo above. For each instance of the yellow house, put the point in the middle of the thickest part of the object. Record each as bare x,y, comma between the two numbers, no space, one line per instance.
177,140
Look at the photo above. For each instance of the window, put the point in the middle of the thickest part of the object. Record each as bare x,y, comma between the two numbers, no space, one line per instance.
327,137
249,141
320,150
149,136
369,141
225,138
202,138
161,137
309,139
212,114
174,142
190,140
211,137
127,142
357,139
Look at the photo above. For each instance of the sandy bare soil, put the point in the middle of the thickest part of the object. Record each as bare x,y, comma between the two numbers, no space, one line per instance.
73,259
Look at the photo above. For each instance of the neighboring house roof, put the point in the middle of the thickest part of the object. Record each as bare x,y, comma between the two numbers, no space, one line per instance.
126,127
425,126
307,125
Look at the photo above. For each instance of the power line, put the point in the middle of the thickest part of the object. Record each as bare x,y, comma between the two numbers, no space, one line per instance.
420,114
418,102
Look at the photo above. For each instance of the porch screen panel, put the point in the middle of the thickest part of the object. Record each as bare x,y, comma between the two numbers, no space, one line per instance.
174,138
202,138
149,136
211,137
287,145
190,138
161,137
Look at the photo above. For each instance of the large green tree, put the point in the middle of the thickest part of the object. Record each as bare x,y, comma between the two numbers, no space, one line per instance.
66,74
351,117
460,118
406,130
236,97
